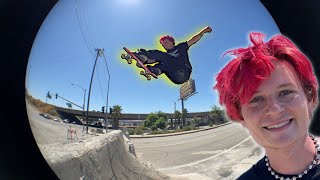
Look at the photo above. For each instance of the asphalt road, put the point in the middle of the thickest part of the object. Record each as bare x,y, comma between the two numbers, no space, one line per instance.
229,147
220,153
47,131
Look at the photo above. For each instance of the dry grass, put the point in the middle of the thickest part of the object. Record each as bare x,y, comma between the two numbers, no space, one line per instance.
41,106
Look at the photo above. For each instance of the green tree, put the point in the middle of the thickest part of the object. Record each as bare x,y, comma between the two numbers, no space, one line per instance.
162,114
116,114
161,123
216,114
151,119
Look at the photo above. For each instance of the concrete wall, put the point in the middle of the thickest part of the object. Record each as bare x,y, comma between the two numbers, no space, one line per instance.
104,156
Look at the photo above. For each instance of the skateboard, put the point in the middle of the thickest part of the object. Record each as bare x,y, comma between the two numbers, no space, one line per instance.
146,72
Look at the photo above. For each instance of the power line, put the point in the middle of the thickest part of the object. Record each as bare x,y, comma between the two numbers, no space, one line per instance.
100,83
84,38
86,15
108,79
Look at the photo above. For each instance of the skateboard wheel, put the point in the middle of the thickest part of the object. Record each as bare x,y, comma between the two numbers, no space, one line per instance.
148,78
142,73
129,61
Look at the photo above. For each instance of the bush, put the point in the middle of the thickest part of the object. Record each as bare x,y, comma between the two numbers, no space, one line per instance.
186,128
165,131
156,132
131,131
210,124
193,127
178,130
153,127
143,127
138,131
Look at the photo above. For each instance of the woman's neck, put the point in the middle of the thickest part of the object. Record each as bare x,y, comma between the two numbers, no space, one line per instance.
294,159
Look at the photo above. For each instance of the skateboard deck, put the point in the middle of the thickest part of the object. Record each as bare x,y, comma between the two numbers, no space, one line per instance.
146,73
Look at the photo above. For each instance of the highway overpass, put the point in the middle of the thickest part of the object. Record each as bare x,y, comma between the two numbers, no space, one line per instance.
125,116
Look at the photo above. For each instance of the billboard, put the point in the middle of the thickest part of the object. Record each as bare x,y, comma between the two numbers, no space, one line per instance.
187,89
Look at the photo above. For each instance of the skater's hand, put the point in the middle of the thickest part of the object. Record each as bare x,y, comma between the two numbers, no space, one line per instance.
207,29
195,38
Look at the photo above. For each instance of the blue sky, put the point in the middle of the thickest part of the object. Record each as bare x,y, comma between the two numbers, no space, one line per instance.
63,51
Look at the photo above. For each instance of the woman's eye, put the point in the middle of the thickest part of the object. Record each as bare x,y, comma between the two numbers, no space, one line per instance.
285,92
256,99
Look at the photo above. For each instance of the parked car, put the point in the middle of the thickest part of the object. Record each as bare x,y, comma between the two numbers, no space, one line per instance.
66,121
93,123
47,116
56,119
41,114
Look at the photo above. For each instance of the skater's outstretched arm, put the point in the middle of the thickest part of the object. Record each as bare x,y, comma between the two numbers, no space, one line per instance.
195,38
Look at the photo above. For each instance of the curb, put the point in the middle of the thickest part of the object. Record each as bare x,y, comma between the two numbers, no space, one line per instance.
176,134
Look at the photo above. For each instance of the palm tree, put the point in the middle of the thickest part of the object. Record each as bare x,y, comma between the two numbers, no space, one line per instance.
184,114
116,114
177,115
196,121
216,114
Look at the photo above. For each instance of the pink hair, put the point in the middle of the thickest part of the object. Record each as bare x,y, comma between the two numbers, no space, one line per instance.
239,79
166,37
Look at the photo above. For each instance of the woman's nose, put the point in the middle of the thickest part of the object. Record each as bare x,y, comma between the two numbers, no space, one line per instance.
273,106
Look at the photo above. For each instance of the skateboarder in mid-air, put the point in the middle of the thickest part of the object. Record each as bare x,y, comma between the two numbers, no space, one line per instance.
175,62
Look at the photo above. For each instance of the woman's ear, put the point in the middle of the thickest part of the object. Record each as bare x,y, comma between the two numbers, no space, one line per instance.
311,107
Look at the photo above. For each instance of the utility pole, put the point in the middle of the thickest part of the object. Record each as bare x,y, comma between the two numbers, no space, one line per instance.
107,103
187,90
182,112
94,67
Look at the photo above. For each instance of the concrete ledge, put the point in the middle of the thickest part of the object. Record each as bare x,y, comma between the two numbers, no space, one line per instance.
100,157
176,134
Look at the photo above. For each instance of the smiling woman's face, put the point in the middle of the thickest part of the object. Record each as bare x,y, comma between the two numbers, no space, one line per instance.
278,113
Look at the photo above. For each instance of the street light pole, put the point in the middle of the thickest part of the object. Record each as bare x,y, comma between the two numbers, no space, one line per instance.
84,102
107,103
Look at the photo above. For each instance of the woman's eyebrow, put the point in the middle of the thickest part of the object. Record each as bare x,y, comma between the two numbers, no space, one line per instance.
279,87
285,85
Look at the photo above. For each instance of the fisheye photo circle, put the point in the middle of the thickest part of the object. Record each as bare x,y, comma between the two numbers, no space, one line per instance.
124,89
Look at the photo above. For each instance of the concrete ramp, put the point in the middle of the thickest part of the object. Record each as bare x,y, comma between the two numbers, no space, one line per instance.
104,156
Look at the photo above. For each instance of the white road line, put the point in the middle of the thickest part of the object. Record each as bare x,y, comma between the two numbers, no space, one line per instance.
197,162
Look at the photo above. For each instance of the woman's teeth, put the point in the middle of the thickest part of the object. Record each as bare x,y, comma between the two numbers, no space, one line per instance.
278,125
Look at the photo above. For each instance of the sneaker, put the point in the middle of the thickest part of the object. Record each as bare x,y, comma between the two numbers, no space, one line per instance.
154,70
126,56
143,58
138,65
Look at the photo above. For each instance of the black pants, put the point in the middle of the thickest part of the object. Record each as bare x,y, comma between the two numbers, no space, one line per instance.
175,69
162,58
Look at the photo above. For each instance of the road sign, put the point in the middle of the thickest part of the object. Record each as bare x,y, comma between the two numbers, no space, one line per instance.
187,89
69,105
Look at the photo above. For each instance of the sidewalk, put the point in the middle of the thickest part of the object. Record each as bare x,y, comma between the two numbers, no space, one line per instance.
178,133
